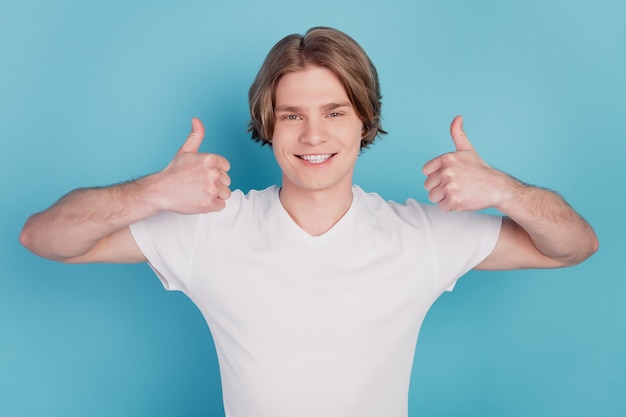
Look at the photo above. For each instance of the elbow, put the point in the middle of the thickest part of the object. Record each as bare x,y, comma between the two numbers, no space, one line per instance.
590,246
26,235
31,238
594,245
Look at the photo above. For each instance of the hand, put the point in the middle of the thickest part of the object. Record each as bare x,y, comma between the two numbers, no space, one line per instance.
194,182
461,180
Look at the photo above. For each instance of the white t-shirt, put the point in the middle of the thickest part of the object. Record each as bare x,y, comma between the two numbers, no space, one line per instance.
315,326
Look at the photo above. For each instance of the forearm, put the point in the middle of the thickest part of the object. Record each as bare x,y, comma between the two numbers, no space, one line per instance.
91,225
541,230
553,226
75,223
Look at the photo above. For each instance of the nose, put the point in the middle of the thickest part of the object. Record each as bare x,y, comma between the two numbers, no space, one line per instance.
313,132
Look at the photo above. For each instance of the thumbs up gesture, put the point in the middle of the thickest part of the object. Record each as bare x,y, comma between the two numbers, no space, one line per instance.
193,182
461,180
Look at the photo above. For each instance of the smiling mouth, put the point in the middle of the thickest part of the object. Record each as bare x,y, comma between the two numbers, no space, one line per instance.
316,159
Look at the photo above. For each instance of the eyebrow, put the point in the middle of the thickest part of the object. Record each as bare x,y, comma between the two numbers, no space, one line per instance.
324,107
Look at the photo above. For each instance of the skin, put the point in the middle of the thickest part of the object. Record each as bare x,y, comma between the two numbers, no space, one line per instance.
91,224
539,230
314,118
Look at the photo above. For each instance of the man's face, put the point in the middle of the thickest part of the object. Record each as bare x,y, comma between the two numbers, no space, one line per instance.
317,135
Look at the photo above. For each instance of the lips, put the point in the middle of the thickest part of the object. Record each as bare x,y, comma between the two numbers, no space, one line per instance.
317,158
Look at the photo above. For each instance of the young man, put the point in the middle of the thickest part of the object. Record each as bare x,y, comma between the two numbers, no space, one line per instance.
315,290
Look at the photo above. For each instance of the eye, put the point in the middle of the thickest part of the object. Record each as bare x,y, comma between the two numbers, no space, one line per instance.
292,117
334,114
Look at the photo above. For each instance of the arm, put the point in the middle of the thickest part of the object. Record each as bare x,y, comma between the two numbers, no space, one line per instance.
91,225
540,229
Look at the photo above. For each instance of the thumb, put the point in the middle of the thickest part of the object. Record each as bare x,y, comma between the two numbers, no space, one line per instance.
461,142
194,140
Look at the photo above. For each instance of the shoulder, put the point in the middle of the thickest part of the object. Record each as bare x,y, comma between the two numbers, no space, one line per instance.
238,203
421,215
268,194
242,208
410,211
252,200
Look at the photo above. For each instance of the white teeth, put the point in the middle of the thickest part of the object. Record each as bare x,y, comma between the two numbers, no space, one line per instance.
316,159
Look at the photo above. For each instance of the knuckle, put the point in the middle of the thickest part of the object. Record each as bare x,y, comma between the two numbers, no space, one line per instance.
216,161
210,160
453,188
212,175
448,158
450,174
212,190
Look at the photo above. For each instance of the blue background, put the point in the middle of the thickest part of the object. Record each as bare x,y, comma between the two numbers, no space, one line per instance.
93,93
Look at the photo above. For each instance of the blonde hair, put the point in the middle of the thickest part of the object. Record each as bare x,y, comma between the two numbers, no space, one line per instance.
324,47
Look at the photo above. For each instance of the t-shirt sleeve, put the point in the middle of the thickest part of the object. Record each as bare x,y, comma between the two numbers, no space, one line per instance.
461,240
458,240
167,240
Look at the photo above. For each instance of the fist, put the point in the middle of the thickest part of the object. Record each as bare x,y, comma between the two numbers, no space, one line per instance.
194,182
461,180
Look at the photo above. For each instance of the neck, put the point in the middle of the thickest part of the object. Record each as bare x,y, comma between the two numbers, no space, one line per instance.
316,212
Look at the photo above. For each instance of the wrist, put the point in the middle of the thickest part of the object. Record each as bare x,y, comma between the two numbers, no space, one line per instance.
511,193
148,191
